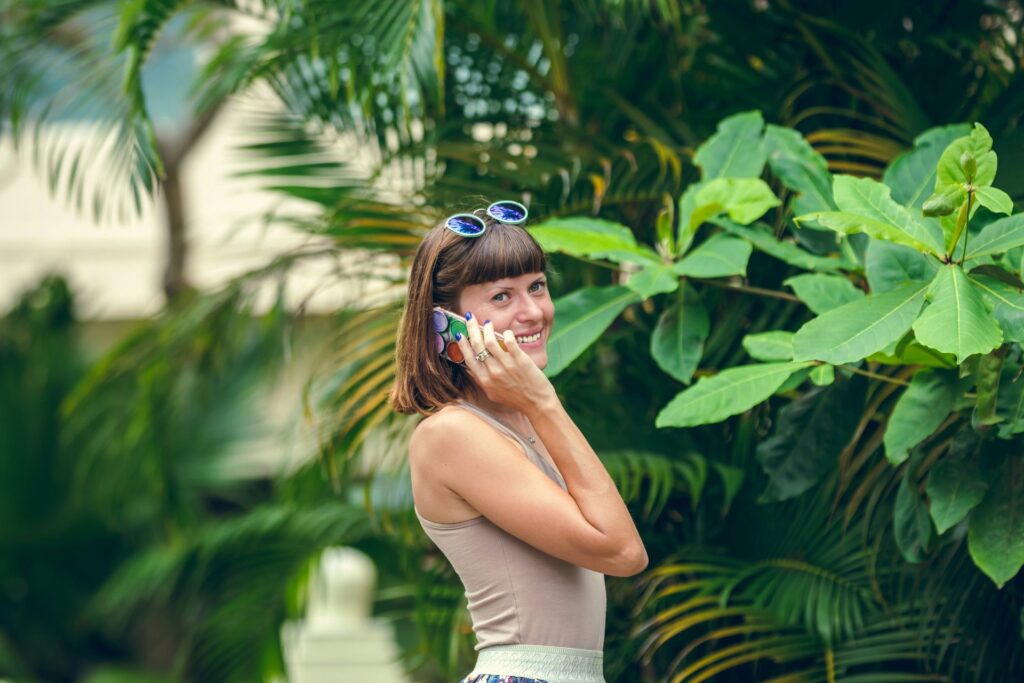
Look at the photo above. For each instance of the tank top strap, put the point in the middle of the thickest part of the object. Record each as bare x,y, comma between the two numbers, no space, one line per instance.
532,453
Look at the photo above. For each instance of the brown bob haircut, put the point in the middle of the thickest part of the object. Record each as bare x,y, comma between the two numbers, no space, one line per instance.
445,263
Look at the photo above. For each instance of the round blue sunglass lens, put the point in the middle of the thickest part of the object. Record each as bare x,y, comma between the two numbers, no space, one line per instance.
466,225
507,212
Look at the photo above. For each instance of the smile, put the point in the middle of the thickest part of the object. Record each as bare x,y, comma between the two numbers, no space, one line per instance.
527,340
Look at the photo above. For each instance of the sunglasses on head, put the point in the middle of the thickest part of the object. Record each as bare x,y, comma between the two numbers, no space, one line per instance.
472,225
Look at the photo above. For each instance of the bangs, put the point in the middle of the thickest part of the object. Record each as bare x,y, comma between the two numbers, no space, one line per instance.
503,251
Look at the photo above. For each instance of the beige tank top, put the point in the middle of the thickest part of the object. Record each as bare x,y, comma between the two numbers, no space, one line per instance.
516,593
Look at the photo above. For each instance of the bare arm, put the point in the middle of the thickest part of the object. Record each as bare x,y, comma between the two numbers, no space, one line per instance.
467,455
588,481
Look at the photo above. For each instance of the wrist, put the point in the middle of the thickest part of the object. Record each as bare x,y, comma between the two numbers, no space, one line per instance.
543,404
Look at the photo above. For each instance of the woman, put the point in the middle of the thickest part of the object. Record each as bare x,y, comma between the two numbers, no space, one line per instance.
503,481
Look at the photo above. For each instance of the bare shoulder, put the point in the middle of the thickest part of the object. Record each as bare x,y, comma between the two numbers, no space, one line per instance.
441,451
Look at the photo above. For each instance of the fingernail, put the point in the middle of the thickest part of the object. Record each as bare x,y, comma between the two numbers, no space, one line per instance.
486,321
469,316
458,336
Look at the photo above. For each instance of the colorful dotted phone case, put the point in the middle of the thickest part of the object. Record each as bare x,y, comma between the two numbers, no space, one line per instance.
446,324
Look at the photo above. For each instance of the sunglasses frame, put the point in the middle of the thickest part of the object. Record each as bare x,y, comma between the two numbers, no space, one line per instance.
474,216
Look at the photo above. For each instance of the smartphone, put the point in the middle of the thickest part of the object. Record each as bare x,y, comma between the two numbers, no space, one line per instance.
446,324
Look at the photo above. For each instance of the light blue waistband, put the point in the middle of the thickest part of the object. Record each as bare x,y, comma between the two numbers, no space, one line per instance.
546,662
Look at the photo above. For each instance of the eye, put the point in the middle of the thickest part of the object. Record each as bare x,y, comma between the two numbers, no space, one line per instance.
495,297
542,284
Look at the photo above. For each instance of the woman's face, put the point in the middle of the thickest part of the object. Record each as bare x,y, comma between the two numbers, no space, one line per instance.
521,304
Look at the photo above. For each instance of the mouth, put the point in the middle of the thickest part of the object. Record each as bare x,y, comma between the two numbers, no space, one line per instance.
529,340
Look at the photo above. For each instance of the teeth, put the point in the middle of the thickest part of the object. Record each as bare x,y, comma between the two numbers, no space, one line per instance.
527,340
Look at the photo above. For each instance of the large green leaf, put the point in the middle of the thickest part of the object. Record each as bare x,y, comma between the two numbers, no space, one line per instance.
730,392
594,238
744,199
997,237
1010,398
956,320
861,327
889,265
688,220
912,174
653,280
1007,305
720,256
912,526
735,150
823,292
995,535
994,199
761,237
918,412
801,168
769,346
581,317
955,487
678,340
866,206
979,144
810,433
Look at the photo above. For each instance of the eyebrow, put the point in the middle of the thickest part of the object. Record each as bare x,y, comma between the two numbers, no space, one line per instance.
542,278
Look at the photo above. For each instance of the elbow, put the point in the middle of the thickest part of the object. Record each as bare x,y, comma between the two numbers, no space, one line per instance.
629,561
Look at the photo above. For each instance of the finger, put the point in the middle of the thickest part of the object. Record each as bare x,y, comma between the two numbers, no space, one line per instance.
491,340
476,338
469,354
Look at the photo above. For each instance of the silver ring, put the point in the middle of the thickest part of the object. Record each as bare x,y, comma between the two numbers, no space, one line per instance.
483,355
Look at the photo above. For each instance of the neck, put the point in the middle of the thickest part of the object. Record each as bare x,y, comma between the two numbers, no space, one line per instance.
477,397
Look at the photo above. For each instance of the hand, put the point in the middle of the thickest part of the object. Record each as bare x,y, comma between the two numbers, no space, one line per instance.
507,377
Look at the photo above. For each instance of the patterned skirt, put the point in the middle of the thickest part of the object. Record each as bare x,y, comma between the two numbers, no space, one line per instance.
536,664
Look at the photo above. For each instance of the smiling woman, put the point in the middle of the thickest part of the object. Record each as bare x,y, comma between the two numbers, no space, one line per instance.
504,482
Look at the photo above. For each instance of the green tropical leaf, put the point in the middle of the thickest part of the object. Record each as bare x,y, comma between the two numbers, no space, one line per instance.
730,392
979,145
995,535
678,340
997,237
688,220
919,411
912,174
994,199
810,433
582,317
636,472
822,292
912,526
955,487
986,375
860,328
769,346
866,206
889,266
823,375
761,237
744,199
956,320
801,169
653,280
594,238
735,150
720,255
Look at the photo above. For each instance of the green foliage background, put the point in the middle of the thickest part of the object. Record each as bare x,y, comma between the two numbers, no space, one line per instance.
819,503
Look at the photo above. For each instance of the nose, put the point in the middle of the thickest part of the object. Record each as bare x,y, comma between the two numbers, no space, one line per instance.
530,311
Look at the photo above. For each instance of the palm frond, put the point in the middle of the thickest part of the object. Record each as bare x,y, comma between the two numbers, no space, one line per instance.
61,73
227,583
